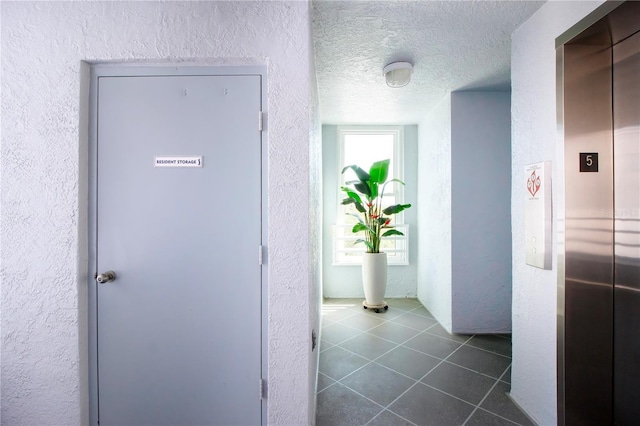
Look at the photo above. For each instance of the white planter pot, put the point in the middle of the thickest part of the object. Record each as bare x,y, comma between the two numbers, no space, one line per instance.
374,277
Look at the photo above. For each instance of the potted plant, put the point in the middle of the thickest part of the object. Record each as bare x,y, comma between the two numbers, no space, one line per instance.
374,220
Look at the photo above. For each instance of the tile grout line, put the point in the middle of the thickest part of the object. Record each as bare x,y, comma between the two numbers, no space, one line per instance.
420,330
396,345
382,338
393,413
419,380
373,361
369,361
423,331
486,396
485,349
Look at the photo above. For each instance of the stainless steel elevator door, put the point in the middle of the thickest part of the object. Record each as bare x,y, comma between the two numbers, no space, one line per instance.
599,293
626,137
588,321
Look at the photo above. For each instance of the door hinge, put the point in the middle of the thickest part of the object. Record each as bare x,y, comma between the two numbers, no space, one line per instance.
261,121
260,254
263,393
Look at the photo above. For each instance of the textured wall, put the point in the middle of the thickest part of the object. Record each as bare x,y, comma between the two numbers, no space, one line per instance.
315,227
464,259
453,45
44,169
346,281
535,138
481,212
434,212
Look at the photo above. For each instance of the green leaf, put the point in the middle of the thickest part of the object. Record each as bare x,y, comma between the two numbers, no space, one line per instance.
362,175
358,227
347,201
374,190
388,182
366,243
379,171
396,208
395,180
351,194
357,216
392,232
357,205
363,188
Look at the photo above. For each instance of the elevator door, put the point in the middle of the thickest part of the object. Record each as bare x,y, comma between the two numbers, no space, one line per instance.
626,139
599,309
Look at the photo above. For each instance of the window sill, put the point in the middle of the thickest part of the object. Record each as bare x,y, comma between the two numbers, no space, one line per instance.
359,264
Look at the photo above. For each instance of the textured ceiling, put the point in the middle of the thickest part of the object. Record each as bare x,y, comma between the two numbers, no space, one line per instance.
454,45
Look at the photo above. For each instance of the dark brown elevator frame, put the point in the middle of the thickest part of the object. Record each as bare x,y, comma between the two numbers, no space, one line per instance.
590,274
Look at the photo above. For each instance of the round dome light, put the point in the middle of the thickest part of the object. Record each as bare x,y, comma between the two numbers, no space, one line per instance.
398,74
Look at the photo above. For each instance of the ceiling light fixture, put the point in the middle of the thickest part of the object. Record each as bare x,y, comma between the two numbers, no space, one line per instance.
398,74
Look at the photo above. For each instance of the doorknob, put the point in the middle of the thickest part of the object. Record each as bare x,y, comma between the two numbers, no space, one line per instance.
106,277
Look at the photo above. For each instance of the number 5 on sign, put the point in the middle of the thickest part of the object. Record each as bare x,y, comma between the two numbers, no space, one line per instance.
589,162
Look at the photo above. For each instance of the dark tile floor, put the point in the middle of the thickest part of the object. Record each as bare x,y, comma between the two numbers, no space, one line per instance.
400,367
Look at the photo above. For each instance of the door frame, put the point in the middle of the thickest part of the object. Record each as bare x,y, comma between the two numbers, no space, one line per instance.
140,70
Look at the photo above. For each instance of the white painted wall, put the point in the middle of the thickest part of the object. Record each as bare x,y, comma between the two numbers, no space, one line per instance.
464,259
535,138
43,263
434,212
315,227
346,281
481,212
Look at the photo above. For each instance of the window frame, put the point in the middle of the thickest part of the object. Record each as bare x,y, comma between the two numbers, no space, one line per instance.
339,252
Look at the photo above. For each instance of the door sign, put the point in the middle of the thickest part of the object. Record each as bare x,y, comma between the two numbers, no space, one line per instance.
537,192
589,162
193,161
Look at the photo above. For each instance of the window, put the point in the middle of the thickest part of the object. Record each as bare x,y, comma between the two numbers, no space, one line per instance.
363,146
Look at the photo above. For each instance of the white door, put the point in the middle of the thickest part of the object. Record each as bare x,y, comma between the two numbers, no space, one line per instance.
179,222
